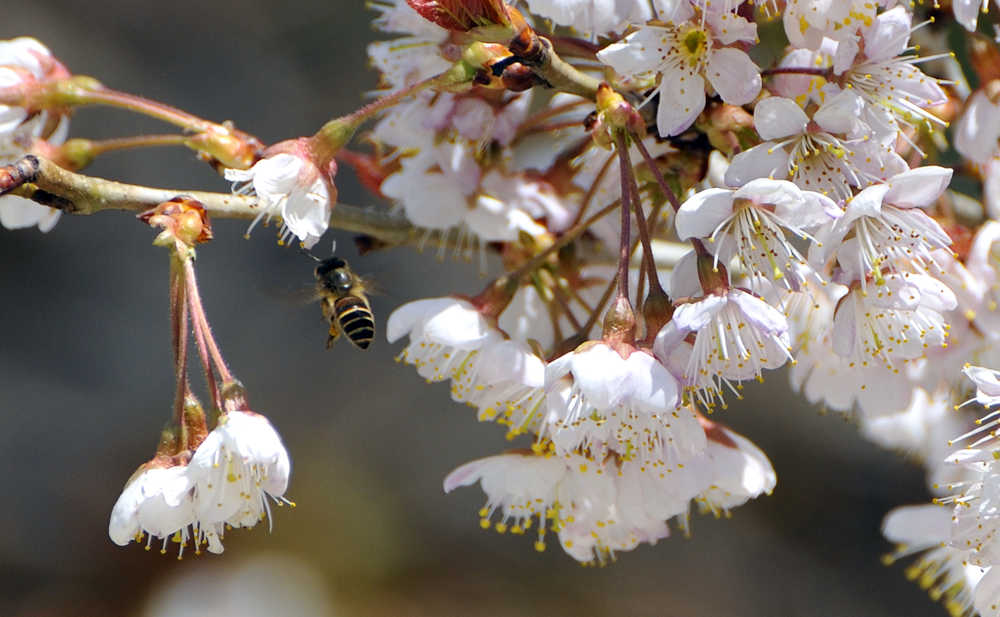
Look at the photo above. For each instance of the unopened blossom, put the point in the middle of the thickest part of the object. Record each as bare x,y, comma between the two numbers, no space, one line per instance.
682,53
621,400
23,62
942,570
291,186
235,470
737,335
816,154
894,322
749,225
156,503
884,227
445,335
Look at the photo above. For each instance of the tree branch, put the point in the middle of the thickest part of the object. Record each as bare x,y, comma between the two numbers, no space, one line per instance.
46,183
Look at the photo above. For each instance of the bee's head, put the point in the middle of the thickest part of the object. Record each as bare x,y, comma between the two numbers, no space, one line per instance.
334,274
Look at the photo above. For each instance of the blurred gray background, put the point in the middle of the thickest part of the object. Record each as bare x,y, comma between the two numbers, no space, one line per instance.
86,385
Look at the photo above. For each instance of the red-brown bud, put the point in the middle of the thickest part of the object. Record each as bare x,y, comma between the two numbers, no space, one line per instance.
462,15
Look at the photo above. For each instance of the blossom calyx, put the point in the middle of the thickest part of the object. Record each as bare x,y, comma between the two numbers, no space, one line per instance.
183,219
614,114
619,322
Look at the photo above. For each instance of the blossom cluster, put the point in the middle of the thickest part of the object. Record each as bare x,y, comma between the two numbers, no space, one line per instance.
672,219
225,483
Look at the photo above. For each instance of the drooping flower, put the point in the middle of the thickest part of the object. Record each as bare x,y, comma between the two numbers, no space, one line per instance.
289,184
740,471
737,335
690,47
506,383
234,471
748,225
156,502
603,399
24,62
445,336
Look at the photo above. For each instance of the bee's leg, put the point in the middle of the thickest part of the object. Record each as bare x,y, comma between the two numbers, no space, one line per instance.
334,335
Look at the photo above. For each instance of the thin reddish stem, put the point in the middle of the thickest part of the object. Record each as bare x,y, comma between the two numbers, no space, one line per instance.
640,216
624,255
198,316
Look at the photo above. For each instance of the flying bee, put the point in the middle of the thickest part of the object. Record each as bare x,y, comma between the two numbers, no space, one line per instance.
345,302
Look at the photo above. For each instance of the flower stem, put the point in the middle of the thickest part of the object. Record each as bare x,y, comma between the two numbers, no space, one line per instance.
658,175
338,132
200,320
624,244
178,330
629,182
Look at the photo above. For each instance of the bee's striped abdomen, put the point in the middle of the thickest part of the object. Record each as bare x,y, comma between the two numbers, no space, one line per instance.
355,319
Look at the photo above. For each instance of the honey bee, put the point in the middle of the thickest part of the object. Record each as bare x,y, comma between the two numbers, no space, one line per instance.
345,302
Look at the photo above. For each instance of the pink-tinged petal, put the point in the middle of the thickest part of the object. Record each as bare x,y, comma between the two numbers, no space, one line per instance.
840,113
918,525
766,160
898,293
733,75
682,98
760,314
792,85
636,54
700,215
887,37
777,117
918,188
782,194
467,474
978,129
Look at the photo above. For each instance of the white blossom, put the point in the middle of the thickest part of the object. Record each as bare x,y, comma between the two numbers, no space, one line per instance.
736,336
748,225
823,159
156,502
683,53
445,336
234,471
291,187
593,16
23,60
601,398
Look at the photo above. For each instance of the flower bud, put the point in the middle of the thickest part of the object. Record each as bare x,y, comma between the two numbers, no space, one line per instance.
183,219
462,15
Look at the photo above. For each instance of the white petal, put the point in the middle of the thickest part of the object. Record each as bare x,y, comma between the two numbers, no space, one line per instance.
733,75
699,216
762,161
918,188
926,525
840,114
776,117
636,54
682,98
